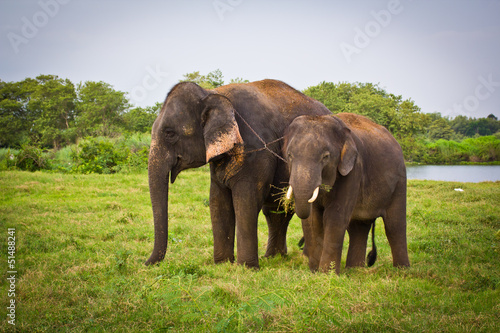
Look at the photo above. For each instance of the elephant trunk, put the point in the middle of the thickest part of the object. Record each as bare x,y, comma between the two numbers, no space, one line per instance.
305,184
158,173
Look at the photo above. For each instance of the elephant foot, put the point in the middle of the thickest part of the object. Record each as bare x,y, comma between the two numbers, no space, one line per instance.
253,263
252,266
223,260
274,252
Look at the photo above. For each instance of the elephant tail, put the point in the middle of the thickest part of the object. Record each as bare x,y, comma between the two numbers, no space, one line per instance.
301,243
372,255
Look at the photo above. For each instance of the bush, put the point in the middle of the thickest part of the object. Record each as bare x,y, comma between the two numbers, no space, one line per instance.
31,158
486,148
99,155
7,159
105,155
139,159
414,149
481,149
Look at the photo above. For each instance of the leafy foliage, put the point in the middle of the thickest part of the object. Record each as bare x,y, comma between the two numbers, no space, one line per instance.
212,80
99,108
480,149
52,113
141,119
40,110
99,155
471,126
103,155
424,137
401,117
31,158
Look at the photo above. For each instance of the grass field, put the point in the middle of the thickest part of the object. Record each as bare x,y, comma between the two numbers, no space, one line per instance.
81,243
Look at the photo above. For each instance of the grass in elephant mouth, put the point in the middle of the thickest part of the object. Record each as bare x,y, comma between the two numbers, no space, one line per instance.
81,243
288,205
285,205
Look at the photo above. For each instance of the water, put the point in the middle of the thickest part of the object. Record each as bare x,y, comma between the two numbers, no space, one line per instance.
459,173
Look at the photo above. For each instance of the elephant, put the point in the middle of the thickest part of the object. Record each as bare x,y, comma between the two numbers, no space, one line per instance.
345,172
238,130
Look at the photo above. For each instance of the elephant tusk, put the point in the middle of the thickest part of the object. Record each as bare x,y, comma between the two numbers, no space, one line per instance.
289,193
314,196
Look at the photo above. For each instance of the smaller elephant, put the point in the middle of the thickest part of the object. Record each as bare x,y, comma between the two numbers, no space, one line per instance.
345,172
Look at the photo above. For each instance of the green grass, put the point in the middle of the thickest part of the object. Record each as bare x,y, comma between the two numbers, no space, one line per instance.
82,241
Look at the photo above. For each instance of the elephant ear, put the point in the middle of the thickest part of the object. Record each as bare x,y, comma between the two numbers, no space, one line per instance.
220,129
348,155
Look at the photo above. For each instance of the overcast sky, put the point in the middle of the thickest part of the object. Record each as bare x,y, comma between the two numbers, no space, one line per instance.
445,55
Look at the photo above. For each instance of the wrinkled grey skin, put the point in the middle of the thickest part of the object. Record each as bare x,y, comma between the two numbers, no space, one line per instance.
197,126
363,174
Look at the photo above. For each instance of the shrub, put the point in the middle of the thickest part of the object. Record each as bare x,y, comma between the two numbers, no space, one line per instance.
139,159
486,148
99,155
7,159
31,158
481,149
414,149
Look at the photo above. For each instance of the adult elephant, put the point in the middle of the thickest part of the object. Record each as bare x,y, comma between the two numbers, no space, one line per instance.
346,171
237,129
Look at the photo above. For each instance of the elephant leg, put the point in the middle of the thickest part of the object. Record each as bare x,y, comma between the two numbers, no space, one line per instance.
336,221
312,227
358,236
395,228
332,248
247,207
277,224
223,222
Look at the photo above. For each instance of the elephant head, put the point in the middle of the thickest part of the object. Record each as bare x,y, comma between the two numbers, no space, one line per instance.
194,127
318,149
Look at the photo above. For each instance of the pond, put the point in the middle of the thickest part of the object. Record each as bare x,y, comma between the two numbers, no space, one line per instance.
459,173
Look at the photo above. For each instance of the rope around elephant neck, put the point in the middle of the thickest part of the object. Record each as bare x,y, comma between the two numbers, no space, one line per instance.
266,145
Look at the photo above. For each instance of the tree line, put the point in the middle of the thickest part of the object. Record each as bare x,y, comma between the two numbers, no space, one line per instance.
52,112
48,112
425,137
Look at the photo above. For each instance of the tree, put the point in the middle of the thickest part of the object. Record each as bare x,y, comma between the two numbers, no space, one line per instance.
210,81
52,104
238,80
40,110
440,129
335,97
99,109
459,124
406,119
401,117
15,119
141,119
473,127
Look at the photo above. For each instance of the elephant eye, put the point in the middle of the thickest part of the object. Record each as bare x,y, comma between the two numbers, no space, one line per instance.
326,157
170,135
